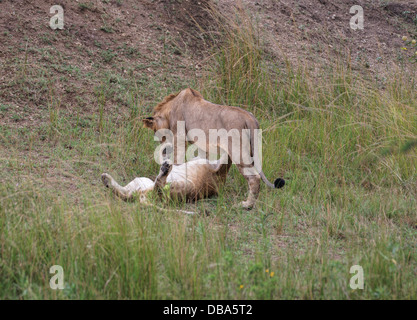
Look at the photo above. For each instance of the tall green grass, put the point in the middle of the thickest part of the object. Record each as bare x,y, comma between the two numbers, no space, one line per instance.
335,117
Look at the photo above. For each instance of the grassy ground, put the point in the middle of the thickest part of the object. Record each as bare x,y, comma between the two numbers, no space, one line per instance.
344,145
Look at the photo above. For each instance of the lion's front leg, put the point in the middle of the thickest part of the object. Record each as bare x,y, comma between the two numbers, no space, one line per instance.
161,179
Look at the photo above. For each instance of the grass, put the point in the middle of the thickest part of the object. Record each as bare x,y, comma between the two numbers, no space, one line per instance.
340,142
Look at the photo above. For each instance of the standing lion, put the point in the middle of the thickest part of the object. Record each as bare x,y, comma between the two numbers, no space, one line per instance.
188,110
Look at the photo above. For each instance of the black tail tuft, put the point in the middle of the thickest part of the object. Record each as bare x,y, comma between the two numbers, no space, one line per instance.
279,183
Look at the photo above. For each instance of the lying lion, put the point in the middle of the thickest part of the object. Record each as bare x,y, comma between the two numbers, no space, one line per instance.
188,107
191,181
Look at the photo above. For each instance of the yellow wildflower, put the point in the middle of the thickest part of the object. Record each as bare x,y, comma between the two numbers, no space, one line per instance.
405,38
272,274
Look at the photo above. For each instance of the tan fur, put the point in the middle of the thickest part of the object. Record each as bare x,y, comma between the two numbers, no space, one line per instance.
198,179
197,113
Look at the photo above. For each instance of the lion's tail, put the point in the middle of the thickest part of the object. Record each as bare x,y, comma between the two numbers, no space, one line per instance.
278,183
166,210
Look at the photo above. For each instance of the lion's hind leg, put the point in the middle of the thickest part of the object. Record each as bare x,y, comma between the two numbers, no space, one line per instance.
254,183
138,185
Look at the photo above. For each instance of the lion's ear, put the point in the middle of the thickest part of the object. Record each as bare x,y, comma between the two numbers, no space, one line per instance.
149,122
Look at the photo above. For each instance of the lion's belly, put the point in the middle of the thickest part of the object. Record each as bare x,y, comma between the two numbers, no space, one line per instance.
140,184
189,171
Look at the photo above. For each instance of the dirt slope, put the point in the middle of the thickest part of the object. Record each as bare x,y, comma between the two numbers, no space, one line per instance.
110,44
103,43
319,30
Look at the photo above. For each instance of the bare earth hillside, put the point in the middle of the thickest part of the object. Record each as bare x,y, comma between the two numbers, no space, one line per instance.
149,39
319,31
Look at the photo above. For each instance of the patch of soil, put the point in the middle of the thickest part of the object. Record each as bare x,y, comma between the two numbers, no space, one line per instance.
191,19
404,10
318,32
135,39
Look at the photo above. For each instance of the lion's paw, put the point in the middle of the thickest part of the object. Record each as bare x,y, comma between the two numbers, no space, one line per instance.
166,167
247,205
106,179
